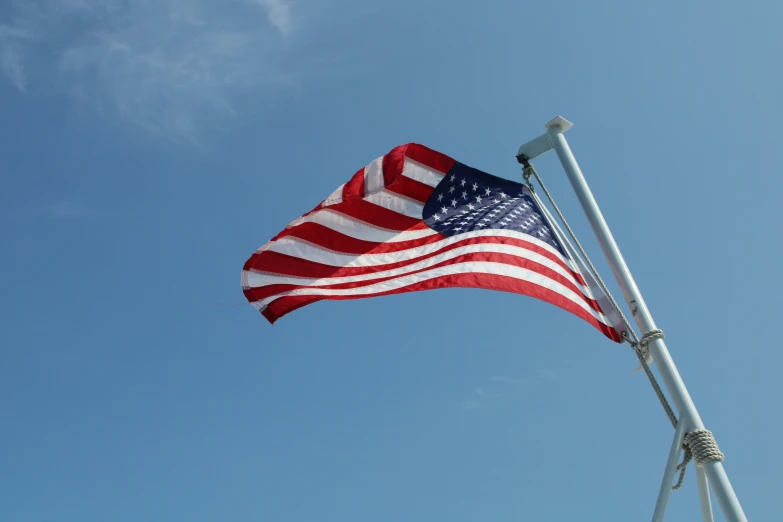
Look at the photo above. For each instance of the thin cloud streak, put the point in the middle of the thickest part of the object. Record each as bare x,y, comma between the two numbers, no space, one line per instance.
504,387
11,41
279,14
505,380
482,397
11,66
172,67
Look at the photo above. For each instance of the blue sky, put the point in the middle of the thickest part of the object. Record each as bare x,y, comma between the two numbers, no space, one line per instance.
147,148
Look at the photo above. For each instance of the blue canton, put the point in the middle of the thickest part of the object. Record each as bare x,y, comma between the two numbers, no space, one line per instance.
468,199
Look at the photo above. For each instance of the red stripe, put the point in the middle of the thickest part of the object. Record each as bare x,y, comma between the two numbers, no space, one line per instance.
328,238
285,305
262,292
393,163
431,158
411,188
377,215
355,187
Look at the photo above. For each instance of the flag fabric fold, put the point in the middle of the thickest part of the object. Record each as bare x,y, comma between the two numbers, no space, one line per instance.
416,219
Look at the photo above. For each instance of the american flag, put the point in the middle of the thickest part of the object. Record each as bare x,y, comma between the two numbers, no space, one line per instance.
416,219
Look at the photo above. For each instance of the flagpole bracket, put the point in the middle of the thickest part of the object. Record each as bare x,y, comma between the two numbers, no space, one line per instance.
560,123
543,143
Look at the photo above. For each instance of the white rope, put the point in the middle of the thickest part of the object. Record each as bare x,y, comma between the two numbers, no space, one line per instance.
701,446
642,352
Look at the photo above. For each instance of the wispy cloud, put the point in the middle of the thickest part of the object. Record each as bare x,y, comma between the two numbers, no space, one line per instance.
501,387
482,396
505,380
11,65
168,66
11,41
279,14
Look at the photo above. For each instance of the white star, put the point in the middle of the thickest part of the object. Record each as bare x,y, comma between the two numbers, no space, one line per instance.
440,197
496,201
451,189
503,195
482,225
454,203
475,187
451,178
471,207
457,228
437,217
464,195
444,209
478,200
462,182
487,192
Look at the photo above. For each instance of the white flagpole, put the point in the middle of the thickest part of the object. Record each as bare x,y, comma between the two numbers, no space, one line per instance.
704,495
668,371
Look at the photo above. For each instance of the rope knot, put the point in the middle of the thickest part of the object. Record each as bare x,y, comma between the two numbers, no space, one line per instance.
701,446
651,336
642,348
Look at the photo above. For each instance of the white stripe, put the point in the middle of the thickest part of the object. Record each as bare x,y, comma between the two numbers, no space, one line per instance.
373,176
295,247
335,197
255,280
483,267
357,229
397,203
419,172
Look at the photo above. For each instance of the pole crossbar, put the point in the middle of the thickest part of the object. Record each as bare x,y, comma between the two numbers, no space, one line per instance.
689,419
